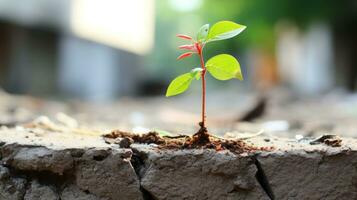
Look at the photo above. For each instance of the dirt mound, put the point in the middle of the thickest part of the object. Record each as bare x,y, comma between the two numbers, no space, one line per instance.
184,142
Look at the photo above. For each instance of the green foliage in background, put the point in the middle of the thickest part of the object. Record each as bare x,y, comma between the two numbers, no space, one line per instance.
262,17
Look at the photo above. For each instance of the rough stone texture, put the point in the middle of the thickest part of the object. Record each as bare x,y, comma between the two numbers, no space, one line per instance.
40,192
37,158
11,188
42,164
72,192
293,170
51,172
200,174
107,176
311,175
298,170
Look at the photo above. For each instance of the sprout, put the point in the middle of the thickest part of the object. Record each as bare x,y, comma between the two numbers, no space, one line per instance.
222,67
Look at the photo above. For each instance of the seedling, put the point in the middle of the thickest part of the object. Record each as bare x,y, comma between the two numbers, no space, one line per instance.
222,67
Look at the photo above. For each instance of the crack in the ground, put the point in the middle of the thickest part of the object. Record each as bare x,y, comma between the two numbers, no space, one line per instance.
262,179
138,163
27,187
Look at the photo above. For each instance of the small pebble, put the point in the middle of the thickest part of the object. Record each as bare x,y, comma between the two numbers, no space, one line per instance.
126,142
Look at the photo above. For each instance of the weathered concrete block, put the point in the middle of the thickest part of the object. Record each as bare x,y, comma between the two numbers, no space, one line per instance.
39,159
42,166
11,188
40,192
299,170
52,171
200,174
316,175
108,174
72,192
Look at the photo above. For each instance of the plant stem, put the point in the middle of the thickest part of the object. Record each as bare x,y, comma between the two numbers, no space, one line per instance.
203,125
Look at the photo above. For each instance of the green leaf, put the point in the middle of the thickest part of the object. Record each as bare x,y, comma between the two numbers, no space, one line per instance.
224,67
239,75
224,30
163,133
196,73
202,33
179,85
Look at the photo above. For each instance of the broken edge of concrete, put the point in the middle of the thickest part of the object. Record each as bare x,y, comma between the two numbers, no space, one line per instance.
35,166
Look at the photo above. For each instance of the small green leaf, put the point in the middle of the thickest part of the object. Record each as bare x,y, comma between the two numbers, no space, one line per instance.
163,133
179,84
203,32
239,75
224,67
224,30
196,73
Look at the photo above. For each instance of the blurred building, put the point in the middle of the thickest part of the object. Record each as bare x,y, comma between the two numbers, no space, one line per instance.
306,59
88,49
103,49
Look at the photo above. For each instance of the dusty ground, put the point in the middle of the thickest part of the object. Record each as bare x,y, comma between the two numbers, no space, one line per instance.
53,150
49,159
285,114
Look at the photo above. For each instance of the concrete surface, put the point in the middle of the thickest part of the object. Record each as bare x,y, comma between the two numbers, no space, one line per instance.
38,163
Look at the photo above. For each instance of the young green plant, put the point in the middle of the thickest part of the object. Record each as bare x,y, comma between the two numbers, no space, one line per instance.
222,67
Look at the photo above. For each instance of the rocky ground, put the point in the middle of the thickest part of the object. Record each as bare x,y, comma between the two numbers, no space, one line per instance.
64,156
43,161
283,114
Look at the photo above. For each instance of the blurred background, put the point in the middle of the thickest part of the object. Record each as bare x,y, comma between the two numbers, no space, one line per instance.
297,56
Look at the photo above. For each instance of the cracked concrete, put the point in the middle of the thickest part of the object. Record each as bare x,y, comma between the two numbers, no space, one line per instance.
311,175
37,164
41,171
198,174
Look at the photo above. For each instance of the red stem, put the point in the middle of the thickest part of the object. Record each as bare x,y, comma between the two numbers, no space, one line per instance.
199,50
